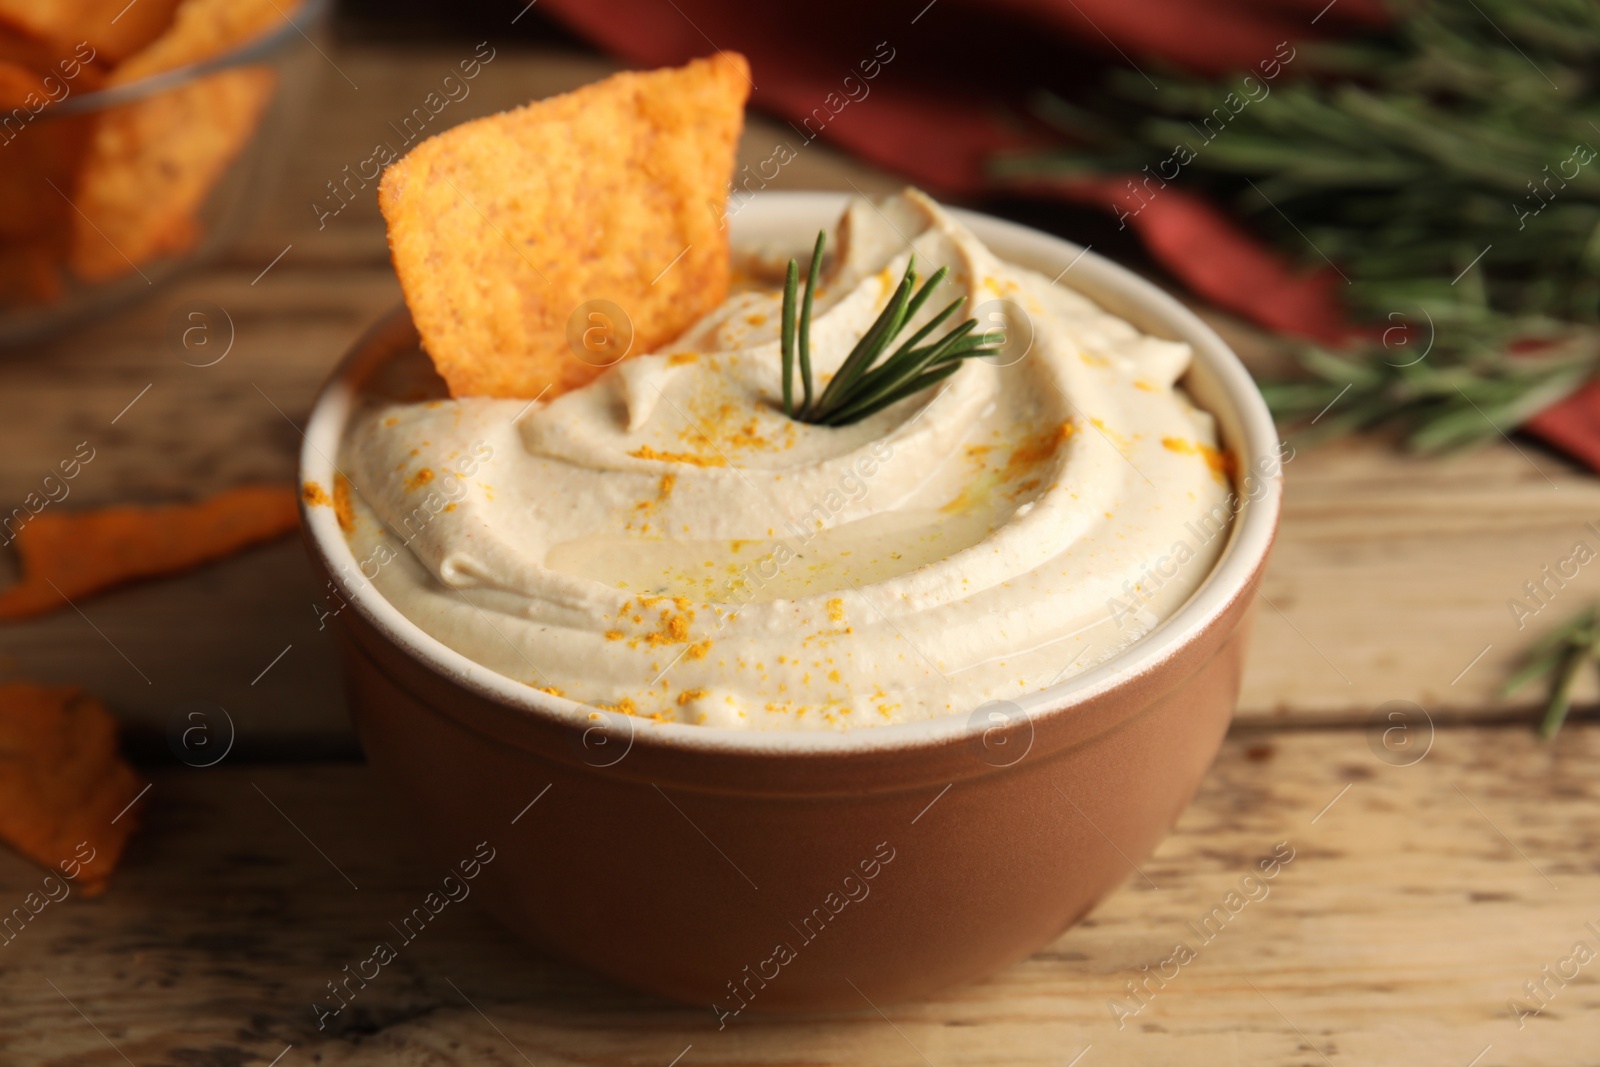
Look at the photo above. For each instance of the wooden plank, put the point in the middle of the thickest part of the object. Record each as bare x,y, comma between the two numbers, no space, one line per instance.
1391,574
1394,575
1418,901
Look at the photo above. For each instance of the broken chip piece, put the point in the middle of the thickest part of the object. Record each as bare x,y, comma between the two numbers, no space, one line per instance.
67,799
70,554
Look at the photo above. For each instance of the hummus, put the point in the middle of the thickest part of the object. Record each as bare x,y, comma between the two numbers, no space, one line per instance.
665,542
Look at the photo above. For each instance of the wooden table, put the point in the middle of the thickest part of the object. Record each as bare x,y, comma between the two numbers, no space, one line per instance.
1422,896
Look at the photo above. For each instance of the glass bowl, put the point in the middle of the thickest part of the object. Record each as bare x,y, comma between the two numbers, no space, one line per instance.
112,191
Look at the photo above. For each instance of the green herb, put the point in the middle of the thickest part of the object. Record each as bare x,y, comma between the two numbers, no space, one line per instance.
1448,167
862,385
1460,395
1559,656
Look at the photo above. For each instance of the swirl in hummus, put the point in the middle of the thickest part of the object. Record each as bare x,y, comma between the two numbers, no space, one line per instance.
666,542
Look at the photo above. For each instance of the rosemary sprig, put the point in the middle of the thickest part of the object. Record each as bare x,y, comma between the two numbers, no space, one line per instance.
1466,392
862,386
1447,163
1401,156
1560,656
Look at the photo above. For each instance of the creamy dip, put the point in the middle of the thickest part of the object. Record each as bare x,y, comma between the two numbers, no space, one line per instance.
666,542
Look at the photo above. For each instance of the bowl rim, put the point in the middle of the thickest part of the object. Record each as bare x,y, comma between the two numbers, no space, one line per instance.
1253,528
257,48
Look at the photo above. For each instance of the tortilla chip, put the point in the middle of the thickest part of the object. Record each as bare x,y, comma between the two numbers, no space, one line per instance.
42,151
73,63
16,82
501,227
151,166
203,29
67,800
21,184
73,554
37,152
113,28
33,208
24,49
152,163
30,273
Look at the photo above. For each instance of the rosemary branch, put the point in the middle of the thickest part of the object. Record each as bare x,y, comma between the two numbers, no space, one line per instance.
1559,656
862,386
1466,392
1449,164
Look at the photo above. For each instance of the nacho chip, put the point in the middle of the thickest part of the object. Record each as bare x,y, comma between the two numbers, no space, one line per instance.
151,164
203,29
17,80
502,227
24,49
34,209
41,153
38,150
65,793
36,179
73,554
113,28
30,273
56,72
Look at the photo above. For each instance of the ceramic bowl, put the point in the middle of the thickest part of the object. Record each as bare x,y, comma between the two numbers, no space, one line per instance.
753,871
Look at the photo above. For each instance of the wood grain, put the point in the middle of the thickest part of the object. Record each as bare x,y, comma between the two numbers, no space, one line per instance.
1418,901
1391,573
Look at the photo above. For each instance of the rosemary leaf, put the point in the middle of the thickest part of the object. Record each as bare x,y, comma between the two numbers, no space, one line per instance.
916,385
805,318
1560,657
872,342
862,386
889,380
789,285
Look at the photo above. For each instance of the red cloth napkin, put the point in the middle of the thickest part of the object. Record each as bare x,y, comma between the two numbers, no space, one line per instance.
935,90
1572,425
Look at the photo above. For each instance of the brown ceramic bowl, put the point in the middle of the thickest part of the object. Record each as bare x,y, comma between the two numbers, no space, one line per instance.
793,870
